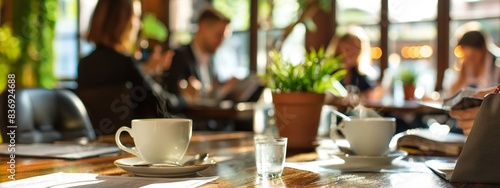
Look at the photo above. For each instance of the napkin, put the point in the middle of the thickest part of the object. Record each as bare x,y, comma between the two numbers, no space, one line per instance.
479,160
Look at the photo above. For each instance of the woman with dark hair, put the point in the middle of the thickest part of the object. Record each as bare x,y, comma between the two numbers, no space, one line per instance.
111,72
475,63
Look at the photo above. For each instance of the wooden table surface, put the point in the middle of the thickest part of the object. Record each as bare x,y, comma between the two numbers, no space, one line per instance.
236,170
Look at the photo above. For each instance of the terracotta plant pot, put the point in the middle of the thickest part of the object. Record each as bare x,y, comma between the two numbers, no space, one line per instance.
409,92
297,117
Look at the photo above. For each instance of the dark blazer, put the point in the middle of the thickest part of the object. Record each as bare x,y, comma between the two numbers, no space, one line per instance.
184,65
106,68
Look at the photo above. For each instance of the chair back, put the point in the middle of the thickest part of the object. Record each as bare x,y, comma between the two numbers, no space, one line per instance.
48,115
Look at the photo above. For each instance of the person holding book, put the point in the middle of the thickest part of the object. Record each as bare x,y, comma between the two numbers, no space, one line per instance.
465,117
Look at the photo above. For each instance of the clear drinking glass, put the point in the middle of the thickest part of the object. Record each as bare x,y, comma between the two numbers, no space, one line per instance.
270,156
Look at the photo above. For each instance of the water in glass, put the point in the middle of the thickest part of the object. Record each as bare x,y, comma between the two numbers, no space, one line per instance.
270,157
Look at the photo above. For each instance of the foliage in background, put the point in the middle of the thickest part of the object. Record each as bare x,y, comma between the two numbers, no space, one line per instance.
306,10
325,5
34,25
9,53
408,77
236,11
313,75
153,28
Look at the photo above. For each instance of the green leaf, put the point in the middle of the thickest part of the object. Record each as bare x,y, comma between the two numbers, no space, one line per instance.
154,28
319,73
408,77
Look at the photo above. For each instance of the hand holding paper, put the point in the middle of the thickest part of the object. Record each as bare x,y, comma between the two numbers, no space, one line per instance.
465,116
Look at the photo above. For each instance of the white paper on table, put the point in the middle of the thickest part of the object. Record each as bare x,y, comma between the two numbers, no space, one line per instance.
338,165
314,166
64,151
87,180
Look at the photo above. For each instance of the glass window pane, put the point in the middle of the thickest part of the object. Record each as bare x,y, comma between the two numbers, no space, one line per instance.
65,40
411,10
237,10
183,23
468,9
181,20
413,46
358,12
284,12
232,57
293,46
86,10
272,19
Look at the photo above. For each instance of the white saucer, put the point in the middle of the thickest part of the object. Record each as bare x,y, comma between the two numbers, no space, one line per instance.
373,160
161,171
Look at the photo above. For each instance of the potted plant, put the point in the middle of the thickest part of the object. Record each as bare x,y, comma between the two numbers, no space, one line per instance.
298,93
409,78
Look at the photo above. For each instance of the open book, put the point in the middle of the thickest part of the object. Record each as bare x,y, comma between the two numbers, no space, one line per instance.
424,142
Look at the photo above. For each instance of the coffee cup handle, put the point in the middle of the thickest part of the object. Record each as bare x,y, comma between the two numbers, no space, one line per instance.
334,135
119,143
336,126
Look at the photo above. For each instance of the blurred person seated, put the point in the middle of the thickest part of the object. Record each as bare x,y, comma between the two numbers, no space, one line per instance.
191,76
475,67
111,76
353,48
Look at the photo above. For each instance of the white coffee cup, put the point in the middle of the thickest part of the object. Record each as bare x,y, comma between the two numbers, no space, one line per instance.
369,136
158,140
